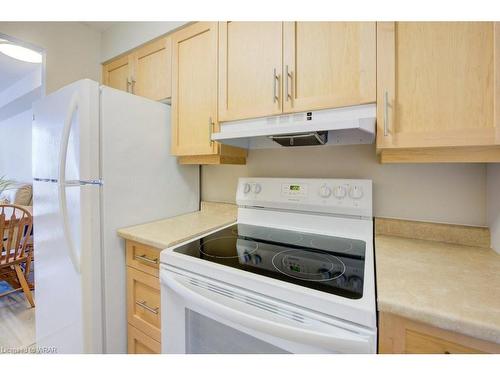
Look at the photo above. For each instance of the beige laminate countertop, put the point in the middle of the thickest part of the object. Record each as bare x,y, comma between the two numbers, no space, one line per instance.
168,232
450,286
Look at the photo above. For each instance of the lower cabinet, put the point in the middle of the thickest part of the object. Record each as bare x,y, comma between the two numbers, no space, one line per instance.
399,335
140,343
143,299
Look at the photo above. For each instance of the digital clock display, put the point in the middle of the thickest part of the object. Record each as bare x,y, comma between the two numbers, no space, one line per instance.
295,187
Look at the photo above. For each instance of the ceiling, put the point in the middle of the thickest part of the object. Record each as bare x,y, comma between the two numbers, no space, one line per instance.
99,26
12,70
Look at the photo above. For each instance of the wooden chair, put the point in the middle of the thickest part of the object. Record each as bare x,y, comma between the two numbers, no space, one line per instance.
15,231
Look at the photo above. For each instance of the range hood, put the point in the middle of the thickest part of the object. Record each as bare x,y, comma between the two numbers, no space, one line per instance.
339,126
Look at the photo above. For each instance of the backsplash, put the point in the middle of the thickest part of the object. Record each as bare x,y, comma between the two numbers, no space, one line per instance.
446,193
493,204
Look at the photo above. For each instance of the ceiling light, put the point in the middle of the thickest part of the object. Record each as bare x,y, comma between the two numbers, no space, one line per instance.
20,53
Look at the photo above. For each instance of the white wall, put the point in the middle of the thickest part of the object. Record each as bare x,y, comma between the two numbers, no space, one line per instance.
15,149
72,49
493,204
449,193
72,53
125,36
15,125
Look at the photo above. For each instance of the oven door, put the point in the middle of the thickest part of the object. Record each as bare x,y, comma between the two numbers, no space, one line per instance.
201,315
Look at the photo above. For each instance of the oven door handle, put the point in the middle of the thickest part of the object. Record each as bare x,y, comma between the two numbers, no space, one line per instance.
337,340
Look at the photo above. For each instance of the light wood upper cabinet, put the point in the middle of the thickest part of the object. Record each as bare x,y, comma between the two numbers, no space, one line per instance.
118,73
153,70
438,87
328,64
146,71
250,65
194,89
194,98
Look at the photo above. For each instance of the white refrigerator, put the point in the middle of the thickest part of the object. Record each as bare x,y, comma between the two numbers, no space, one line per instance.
101,161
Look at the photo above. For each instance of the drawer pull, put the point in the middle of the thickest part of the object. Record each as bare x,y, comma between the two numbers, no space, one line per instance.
145,306
144,258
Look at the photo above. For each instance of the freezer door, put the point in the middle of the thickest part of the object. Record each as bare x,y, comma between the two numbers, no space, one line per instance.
66,220
74,111
67,277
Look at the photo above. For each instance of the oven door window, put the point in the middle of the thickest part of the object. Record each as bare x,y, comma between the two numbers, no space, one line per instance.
208,336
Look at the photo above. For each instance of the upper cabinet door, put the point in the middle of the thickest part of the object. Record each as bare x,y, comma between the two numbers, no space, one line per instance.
437,84
116,74
153,70
250,66
328,64
194,89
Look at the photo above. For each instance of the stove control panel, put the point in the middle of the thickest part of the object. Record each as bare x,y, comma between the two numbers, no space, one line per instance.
335,196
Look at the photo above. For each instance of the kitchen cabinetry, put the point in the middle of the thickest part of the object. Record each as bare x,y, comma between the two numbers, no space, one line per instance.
145,72
400,335
153,70
250,65
438,91
328,65
117,73
269,68
194,98
143,298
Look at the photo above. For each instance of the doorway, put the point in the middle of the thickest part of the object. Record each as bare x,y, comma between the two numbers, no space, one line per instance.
22,82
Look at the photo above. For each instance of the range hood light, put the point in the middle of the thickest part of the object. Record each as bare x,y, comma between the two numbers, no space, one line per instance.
20,53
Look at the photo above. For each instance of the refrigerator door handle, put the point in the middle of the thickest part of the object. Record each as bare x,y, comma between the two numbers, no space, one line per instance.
83,182
63,206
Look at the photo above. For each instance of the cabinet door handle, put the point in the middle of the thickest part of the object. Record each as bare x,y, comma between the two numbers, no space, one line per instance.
210,130
386,113
133,86
276,78
144,305
144,258
128,85
288,76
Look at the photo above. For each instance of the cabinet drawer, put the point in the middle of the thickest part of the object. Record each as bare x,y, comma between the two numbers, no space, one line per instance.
143,302
143,257
420,343
400,335
139,343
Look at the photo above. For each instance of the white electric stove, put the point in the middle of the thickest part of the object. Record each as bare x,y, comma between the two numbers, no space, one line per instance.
294,274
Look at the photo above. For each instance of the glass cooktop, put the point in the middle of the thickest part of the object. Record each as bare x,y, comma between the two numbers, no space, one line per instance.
326,263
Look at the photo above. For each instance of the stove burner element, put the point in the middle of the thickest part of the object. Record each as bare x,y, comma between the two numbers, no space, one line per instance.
222,248
308,266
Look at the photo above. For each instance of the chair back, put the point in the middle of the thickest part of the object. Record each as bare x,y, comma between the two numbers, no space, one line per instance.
16,224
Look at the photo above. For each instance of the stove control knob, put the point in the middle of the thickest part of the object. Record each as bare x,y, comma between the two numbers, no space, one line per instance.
257,188
325,191
340,192
356,192
326,274
256,259
245,257
340,281
355,282
246,188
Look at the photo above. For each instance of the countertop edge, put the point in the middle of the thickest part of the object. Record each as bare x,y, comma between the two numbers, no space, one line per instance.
162,246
